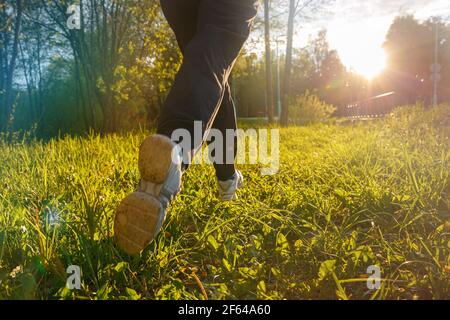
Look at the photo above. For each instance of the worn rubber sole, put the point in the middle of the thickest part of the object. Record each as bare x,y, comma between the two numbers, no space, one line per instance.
155,158
136,221
137,216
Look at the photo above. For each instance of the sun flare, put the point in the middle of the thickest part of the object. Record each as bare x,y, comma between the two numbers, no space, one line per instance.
369,64
360,46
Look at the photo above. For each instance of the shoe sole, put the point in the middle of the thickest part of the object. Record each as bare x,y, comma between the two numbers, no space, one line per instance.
138,214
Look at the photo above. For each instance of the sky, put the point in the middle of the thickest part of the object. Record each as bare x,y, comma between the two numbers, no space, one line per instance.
365,22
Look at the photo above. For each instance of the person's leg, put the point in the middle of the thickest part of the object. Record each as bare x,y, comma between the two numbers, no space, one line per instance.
182,16
226,120
183,19
228,178
223,26
141,214
202,82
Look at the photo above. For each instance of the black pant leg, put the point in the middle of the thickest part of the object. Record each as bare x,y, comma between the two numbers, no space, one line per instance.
182,16
226,120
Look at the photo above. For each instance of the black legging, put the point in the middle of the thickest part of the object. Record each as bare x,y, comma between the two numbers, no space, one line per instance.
210,34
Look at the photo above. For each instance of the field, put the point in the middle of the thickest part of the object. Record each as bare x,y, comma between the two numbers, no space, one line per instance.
347,196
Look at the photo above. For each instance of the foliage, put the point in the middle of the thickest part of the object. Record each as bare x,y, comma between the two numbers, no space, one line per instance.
346,197
247,83
308,109
420,117
113,75
114,71
410,47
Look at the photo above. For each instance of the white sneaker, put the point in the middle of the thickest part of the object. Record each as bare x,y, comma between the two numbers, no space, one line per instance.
140,215
227,189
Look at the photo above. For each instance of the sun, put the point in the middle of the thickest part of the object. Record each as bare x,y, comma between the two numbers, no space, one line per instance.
369,64
360,45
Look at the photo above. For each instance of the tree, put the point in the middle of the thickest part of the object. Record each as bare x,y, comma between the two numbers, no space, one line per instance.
410,46
9,58
296,8
269,87
318,69
33,57
288,65
115,42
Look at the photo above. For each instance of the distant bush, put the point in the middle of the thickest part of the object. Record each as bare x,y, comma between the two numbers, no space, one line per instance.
308,108
419,118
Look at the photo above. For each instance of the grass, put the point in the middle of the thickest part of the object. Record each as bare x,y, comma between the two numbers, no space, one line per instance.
346,197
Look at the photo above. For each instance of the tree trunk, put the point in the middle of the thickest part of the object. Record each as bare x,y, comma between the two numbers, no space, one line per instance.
27,74
3,64
269,87
12,64
288,66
